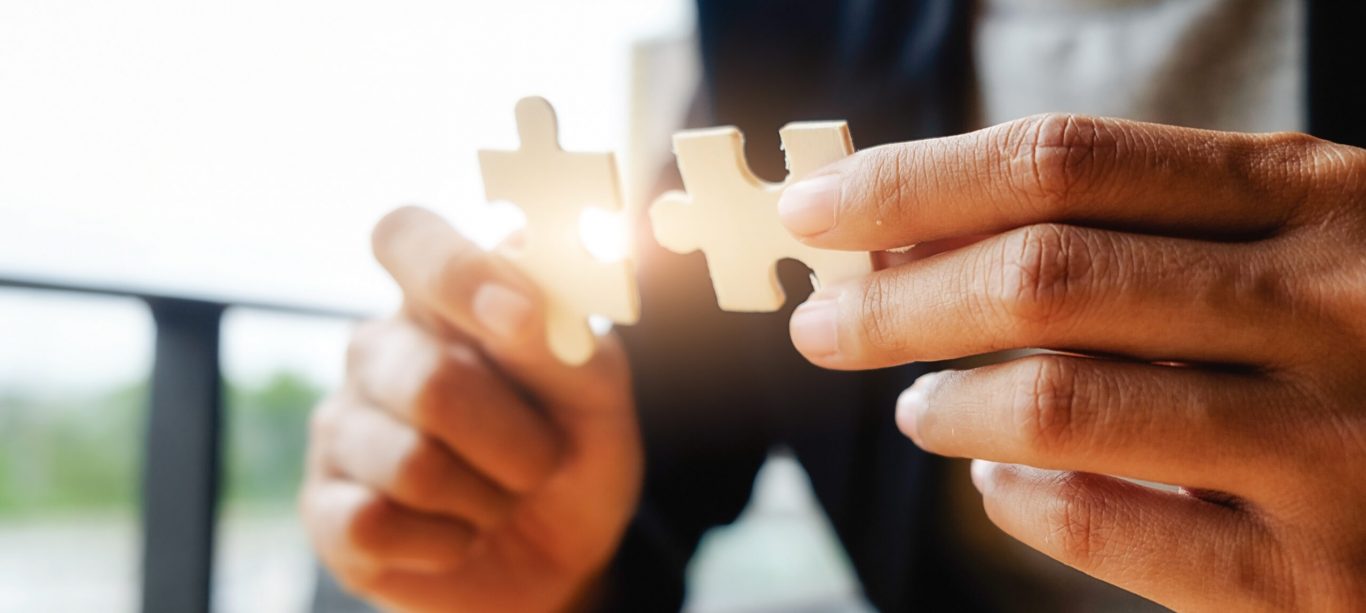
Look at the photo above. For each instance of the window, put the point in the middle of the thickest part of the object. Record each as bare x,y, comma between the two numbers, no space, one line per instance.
239,153
73,398
277,368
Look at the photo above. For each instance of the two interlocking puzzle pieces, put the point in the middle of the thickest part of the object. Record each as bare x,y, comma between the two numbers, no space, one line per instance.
727,212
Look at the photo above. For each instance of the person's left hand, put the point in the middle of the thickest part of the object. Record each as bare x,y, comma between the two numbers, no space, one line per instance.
1209,292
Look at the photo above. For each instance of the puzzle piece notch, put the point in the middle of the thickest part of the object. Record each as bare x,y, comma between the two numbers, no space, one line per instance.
731,215
554,187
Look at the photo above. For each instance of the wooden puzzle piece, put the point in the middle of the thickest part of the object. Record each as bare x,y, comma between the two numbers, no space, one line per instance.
553,188
732,216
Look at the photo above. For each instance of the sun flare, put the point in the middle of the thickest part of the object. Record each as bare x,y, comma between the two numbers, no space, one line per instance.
604,235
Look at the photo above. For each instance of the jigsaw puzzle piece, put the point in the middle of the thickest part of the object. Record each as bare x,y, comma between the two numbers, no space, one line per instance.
731,215
553,188
675,227
568,334
745,284
810,146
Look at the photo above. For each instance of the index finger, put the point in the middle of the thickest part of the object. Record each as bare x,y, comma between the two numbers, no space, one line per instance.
443,273
481,295
1056,168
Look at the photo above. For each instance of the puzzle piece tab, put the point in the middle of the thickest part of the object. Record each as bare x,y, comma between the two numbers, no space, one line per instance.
553,188
732,216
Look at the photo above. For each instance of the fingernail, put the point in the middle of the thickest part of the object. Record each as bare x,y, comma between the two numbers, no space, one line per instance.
814,328
501,310
981,471
808,207
909,406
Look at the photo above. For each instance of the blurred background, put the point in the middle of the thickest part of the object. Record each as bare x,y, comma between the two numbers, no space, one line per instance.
233,156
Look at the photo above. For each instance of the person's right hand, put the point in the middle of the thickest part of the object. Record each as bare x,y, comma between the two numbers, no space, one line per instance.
463,467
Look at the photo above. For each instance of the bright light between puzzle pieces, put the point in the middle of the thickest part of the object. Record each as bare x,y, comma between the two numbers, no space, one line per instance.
489,225
607,238
604,235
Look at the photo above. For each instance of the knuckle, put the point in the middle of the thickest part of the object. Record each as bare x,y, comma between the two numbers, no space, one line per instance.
456,278
1344,165
1335,173
1053,157
1262,574
879,318
885,180
1077,521
362,344
323,423
1290,168
306,504
533,472
423,469
1041,268
1296,152
365,532
359,580
1046,406
447,379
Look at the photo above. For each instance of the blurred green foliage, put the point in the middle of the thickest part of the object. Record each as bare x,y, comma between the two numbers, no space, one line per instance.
267,427
65,452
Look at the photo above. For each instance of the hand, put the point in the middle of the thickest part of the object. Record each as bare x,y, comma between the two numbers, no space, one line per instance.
1222,276
462,467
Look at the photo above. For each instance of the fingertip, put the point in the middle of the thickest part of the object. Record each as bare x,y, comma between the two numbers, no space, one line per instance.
913,407
391,225
486,297
814,328
365,337
910,405
505,313
981,472
366,330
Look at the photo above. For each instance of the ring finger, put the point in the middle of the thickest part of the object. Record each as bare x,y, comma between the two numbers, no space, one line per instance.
1072,413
